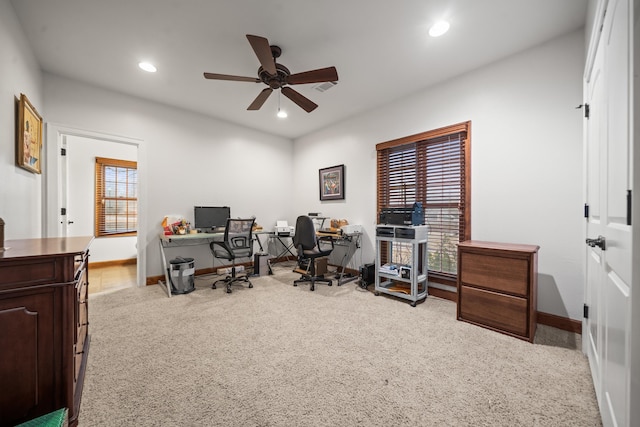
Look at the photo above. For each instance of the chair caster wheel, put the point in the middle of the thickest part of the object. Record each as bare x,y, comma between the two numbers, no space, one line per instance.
228,291
295,284
251,285
213,286
313,288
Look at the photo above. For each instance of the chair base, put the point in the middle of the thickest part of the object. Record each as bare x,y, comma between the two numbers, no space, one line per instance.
231,280
307,278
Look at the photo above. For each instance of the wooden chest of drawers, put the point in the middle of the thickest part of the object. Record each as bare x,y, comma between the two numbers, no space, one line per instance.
44,337
497,286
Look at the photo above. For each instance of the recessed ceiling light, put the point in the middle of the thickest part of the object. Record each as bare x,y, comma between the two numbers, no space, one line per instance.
439,28
147,66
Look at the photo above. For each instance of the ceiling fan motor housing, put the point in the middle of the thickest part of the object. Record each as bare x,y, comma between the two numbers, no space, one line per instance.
277,81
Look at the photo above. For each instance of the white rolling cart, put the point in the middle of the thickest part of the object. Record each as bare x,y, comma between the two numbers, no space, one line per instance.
404,275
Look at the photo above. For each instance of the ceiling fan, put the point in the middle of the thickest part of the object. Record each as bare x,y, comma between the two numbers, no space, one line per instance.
277,76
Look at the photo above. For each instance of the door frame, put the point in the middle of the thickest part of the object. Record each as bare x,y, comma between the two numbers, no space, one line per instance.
53,184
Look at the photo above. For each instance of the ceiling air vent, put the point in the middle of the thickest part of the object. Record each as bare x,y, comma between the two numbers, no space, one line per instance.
323,87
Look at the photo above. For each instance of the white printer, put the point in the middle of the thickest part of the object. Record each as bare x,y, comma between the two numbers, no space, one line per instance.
283,229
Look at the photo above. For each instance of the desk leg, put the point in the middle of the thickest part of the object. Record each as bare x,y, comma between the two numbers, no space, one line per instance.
340,274
167,284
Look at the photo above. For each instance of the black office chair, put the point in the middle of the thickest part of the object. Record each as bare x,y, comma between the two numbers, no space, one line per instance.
310,248
237,243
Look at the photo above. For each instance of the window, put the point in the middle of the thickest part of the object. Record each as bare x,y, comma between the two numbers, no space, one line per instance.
431,168
116,197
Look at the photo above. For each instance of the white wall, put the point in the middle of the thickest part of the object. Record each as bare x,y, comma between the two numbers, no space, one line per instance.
81,158
20,190
190,159
526,159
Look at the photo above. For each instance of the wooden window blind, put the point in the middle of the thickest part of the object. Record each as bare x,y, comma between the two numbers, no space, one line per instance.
432,168
116,204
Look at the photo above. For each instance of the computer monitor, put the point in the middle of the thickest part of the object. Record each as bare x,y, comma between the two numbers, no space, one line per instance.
209,218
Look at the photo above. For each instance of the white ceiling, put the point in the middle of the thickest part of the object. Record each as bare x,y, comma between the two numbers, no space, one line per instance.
380,48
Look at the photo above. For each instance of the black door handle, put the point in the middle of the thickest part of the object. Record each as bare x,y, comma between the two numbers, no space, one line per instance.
599,242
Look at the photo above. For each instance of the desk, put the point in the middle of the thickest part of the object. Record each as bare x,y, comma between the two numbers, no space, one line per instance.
288,247
351,243
176,240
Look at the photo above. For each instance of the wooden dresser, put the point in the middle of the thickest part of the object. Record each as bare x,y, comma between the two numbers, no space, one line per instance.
497,286
44,338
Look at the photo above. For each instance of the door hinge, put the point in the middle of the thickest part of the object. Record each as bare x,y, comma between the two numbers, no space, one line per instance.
586,210
586,109
63,211
63,151
585,311
628,207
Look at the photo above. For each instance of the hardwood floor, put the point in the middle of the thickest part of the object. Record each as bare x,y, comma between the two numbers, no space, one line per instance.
108,279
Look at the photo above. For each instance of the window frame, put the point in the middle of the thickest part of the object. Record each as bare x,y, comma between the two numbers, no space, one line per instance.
99,214
383,149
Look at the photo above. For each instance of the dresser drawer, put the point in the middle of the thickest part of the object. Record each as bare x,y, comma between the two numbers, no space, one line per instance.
503,312
81,286
77,365
502,274
82,337
82,315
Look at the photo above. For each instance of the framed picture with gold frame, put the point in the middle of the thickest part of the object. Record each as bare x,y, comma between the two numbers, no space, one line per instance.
29,138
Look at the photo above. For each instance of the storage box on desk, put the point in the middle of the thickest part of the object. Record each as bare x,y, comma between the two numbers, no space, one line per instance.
351,228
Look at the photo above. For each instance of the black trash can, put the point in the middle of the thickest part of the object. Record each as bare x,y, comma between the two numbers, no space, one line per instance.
181,275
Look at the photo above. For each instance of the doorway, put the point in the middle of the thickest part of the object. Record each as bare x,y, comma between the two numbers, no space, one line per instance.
69,195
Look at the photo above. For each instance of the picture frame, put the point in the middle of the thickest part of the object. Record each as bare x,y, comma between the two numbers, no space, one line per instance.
332,183
29,138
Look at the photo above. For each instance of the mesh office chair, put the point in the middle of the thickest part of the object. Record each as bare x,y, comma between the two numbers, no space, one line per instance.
310,248
237,243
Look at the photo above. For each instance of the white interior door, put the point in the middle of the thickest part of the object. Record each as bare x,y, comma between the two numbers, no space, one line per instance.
596,134
608,229
80,188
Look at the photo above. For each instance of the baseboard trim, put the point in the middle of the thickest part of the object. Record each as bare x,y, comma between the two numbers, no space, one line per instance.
559,322
441,293
153,280
547,319
114,263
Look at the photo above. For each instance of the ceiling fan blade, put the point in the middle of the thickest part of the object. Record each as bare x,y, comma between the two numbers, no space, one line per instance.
329,74
262,49
304,103
215,76
260,99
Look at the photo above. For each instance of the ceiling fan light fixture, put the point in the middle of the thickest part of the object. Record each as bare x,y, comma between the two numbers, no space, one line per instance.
439,28
281,113
148,67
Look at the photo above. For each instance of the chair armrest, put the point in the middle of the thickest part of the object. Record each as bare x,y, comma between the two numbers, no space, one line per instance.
324,240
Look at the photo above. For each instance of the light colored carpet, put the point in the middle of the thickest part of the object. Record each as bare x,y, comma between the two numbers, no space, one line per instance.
278,355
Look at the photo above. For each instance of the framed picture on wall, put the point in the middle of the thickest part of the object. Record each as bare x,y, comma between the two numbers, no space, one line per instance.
332,183
29,140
